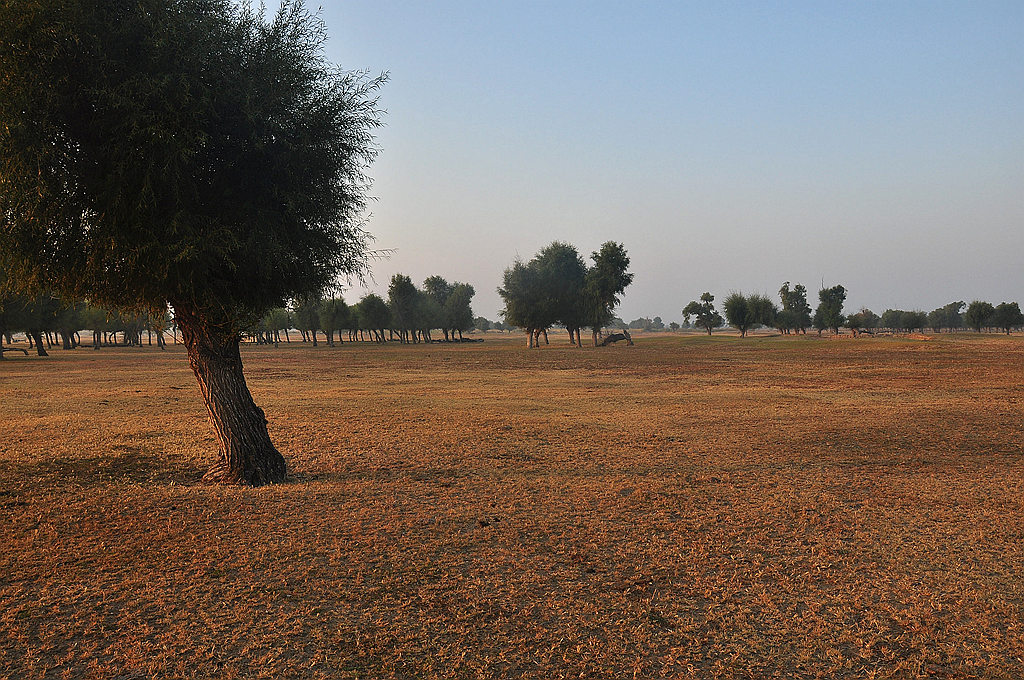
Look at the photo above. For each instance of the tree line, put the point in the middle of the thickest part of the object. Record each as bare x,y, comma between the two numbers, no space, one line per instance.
409,315
746,312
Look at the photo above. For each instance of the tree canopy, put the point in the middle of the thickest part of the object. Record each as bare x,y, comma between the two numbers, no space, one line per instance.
704,313
183,152
556,286
744,312
829,313
979,314
795,314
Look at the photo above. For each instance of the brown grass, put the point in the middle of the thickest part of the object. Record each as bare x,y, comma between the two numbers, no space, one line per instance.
688,507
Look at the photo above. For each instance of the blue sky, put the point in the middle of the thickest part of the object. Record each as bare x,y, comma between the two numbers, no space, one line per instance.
728,145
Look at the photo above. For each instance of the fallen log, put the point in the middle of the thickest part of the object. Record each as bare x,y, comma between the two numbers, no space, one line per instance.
617,337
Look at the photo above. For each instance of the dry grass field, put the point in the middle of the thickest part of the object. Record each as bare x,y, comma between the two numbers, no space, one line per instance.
688,507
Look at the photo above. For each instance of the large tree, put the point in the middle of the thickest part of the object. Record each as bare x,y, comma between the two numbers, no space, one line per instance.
190,153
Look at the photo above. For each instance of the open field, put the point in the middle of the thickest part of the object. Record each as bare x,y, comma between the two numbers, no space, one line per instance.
688,507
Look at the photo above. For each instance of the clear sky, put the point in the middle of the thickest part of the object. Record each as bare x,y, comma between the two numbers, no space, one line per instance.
727,145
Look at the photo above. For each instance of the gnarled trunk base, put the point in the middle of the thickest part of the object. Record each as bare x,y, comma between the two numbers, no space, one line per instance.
247,456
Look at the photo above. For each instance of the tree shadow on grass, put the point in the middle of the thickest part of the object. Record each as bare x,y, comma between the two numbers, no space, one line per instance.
124,464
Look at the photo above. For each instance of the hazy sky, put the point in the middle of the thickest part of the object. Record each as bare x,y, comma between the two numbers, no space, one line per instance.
728,146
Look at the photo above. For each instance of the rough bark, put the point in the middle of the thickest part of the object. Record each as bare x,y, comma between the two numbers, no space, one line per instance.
247,456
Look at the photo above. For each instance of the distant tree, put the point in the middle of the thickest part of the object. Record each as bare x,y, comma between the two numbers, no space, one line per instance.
562,275
606,279
482,324
854,323
279,319
95,319
765,311
892,319
195,154
744,312
1007,316
437,290
949,316
829,314
674,326
458,310
864,320
704,313
333,316
795,314
374,316
954,315
913,320
306,314
738,313
979,314
403,302
522,292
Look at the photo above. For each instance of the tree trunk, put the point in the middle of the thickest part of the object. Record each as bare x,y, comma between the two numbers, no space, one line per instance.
247,456
38,337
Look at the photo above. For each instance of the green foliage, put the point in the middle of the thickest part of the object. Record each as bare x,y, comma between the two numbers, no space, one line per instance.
373,314
914,320
704,313
949,316
278,319
901,320
557,287
606,280
403,302
1007,316
306,314
865,319
182,151
829,314
333,315
458,312
979,314
796,312
746,312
